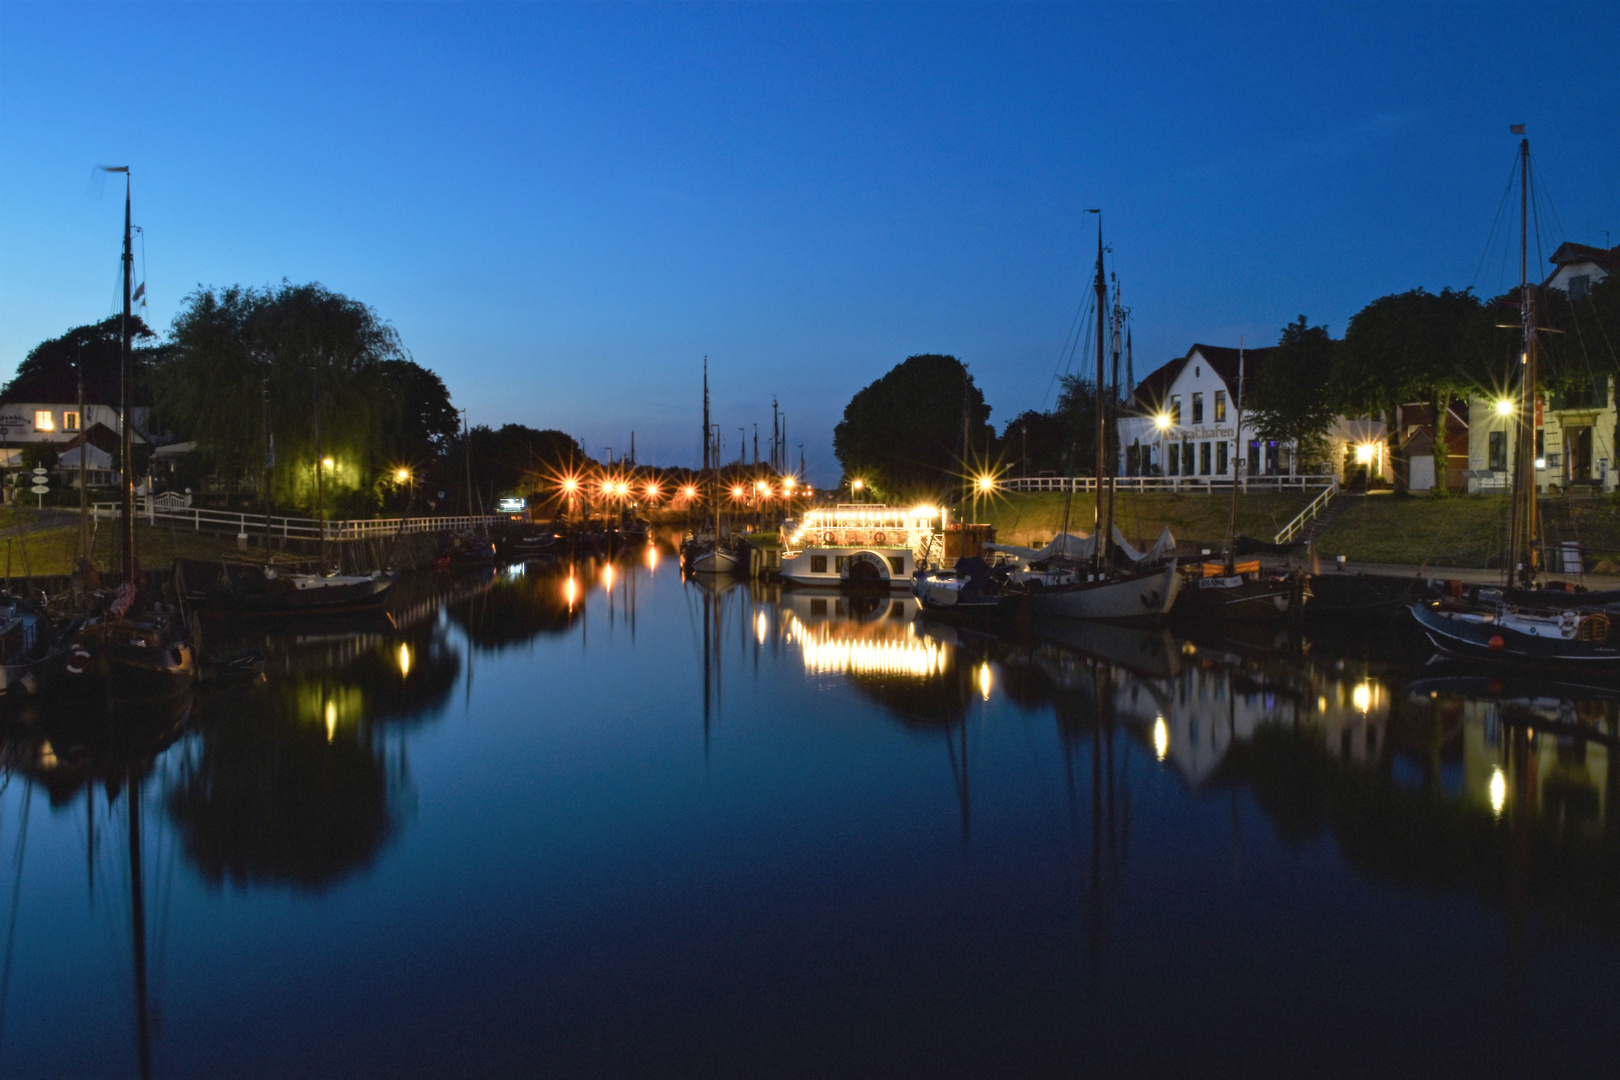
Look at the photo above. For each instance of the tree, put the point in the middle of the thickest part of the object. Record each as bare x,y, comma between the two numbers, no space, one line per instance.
902,435
1287,399
99,347
1410,346
319,353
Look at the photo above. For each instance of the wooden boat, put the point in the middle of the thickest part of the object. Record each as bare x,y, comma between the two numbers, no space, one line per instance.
30,650
1143,596
713,558
1575,639
123,654
971,589
266,592
1244,591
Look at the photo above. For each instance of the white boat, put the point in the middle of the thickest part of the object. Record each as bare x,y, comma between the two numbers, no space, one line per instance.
1146,595
715,560
862,544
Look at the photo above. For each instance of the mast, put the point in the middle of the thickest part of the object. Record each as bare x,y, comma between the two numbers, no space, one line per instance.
143,1025
320,477
1237,442
1526,526
1100,541
1113,407
127,459
84,450
706,434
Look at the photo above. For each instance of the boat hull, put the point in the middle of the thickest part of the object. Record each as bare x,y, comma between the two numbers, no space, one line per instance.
1494,643
890,568
1237,598
1143,597
714,561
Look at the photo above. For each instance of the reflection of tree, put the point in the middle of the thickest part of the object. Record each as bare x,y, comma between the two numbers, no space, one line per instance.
1423,839
279,796
516,610
69,750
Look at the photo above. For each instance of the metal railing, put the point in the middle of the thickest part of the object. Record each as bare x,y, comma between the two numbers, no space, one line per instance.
1310,513
1182,484
202,520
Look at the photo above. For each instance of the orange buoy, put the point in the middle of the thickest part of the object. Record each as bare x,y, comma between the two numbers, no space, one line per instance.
1497,642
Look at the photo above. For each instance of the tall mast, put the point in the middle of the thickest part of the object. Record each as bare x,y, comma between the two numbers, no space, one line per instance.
1117,318
127,462
1101,541
1529,547
706,434
1237,445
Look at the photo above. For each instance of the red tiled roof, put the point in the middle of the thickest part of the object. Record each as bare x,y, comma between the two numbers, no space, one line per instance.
1151,391
1567,253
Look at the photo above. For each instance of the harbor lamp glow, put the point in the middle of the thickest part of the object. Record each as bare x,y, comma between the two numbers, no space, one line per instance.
652,491
987,483
1162,421
402,476
1504,406
688,492
327,462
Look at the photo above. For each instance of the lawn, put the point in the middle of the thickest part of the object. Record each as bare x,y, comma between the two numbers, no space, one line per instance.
1465,530
52,550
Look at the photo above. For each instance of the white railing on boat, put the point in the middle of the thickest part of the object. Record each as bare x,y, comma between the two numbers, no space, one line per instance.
1182,484
201,520
1316,506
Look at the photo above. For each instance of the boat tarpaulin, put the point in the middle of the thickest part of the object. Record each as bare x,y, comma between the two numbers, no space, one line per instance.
1083,547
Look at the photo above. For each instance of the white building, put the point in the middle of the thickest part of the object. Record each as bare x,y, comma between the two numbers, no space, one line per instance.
1182,423
44,407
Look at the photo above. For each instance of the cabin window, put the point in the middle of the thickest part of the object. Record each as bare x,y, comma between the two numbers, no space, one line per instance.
1203,459
1175,410
838,562
818,564
897,565
43,421
1220,407
70,421
1498,452
1198,408
1222,451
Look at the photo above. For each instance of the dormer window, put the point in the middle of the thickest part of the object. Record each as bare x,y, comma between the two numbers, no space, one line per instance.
43,421
1579,286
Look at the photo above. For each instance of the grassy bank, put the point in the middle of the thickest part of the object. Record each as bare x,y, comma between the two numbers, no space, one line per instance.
31,546
1035,517
1466,530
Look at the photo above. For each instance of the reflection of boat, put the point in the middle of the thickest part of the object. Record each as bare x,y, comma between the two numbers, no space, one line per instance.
1147,652
29,649
264,591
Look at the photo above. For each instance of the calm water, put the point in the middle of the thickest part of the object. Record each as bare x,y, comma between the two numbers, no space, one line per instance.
607,823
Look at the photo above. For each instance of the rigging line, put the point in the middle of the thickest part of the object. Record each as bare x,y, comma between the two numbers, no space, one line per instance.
1061,365
1500,211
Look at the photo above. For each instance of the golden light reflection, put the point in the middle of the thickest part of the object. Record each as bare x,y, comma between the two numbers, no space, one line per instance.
1498,790
918,659
1361,697
331,720
404,660
652,557
47,755
762,627
1161,738
984,680
570,591
607,576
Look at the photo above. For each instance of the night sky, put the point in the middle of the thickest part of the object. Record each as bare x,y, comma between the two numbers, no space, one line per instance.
563,209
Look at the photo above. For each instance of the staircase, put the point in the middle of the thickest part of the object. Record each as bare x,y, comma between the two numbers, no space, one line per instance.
1337,507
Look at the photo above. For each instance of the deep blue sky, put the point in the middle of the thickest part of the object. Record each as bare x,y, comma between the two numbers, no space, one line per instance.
562,209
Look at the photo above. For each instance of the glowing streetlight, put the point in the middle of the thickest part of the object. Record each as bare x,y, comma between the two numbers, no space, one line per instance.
688,492
1504,406
652,491
737,491
987,483
327,462
1162,421
402,476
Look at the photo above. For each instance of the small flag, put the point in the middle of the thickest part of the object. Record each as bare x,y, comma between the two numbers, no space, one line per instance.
1518,129
140,291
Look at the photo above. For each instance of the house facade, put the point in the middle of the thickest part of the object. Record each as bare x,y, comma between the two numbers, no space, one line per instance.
1181,423
44,408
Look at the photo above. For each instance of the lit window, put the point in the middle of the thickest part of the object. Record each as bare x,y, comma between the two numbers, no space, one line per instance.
70,421
1220,407
43,421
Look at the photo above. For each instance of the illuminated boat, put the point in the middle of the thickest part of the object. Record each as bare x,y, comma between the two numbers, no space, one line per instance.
862,545
264,591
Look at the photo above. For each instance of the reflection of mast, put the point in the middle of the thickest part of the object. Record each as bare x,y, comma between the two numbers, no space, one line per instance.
16,892
143,1041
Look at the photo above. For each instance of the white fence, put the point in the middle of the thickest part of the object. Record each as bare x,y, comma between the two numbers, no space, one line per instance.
200,520
1187,484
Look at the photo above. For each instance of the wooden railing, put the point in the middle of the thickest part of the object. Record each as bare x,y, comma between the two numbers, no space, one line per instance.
1317,505
1186,484
201,520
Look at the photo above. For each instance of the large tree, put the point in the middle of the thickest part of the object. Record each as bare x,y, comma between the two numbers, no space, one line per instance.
903,434
97,346
1411,346
319,354
1287,398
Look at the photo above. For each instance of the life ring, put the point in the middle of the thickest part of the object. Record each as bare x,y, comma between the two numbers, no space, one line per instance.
827,537
880,538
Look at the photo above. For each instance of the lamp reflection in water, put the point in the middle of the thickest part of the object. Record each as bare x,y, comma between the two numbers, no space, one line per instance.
652,557
868,654
1161,738
984,680
1361,697
607,576
1498,790
570,591
762,627
331,720
404,660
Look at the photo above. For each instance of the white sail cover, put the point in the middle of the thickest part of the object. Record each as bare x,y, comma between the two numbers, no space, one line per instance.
1083,547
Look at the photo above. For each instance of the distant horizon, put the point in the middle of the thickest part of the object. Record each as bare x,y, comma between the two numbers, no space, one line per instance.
562,210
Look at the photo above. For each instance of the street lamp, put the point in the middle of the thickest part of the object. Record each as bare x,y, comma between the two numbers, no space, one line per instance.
855,487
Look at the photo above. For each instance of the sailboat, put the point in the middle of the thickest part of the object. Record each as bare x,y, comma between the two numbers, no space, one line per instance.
1090,583
1508,632
710,554
134,647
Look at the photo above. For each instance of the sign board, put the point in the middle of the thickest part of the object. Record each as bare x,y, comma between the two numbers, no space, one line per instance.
510,506
40,489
